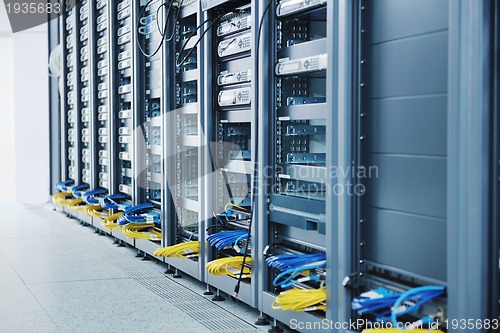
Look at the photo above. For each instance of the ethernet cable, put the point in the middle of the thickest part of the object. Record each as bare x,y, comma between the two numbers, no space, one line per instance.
232,266
301,300
286,278
198,41
90,197
373,300
293,261
79,190
397,304
181,250
109,202
293,265
223,239
63,185
423,294
111,223
143,231
140,214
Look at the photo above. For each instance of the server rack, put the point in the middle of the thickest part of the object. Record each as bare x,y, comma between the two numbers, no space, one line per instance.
295,222
230,50
70,122
100,103
123,103
108,133
404,166
184,146
149,89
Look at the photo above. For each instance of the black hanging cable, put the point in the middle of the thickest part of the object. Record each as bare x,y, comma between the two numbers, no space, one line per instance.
175,21
254,181
197,42
141,13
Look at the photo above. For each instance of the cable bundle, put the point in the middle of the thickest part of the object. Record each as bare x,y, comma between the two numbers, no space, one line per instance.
62,198
77,204
90,196
96,211
63,186
223,239
139,215
109,202
79,190
301,300
142,231
231,266
293,265
292,261
181,250
396,305
111,222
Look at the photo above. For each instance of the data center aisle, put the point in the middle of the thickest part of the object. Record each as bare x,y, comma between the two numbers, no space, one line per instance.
58,276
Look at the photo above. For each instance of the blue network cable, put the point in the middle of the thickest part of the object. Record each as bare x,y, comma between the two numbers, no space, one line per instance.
89,197
382,298
78,190
373,300
139,214
286,278
108,202
192,234
63,186
291,261
226,238
292,265
423,294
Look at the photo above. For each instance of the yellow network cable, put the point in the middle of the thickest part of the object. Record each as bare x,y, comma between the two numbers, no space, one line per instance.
77,204
229,266
111,222
96,211
141,231
182,250
395,330
62,198
301,300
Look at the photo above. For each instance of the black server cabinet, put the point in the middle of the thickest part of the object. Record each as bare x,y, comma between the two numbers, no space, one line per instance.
230,67
298,149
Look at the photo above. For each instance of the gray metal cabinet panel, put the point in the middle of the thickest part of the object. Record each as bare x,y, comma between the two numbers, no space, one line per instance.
414,125
413,243
407,67
410,184
407,18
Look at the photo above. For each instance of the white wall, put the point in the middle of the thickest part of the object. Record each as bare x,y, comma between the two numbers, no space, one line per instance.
24,115
7,147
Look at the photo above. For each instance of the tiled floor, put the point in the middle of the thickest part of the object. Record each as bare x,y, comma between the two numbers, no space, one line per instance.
58,276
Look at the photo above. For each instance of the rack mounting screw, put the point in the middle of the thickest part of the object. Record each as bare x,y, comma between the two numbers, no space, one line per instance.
362,85
362,115
361,261
363,31
363,61
362,221
361,138
362,244
362,7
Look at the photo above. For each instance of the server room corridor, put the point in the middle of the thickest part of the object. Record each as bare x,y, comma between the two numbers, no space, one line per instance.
59,276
